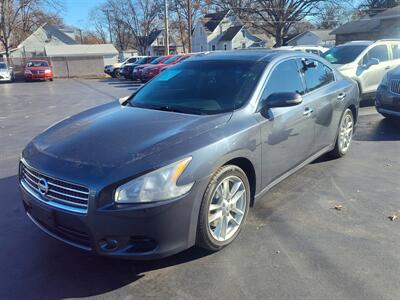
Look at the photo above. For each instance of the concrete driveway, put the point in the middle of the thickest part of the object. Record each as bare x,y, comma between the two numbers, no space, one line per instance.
295,244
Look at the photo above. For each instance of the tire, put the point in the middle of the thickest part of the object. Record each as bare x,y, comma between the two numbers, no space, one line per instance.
207,232
116,74
342,147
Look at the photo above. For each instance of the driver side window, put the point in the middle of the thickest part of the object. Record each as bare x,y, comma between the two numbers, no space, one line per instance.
285,78
379,52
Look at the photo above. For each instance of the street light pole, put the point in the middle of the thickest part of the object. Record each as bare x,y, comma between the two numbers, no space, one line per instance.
166,27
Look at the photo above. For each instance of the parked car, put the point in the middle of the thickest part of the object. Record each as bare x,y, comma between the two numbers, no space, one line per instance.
152,71
387,101
127,70
38,70
180,161
365,61
114,70
318,50
137,71
6,73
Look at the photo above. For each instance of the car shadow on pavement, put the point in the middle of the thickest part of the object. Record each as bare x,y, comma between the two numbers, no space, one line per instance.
36,266
369,129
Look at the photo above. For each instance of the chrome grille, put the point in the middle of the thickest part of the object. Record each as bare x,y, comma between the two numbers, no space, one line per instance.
395,86
62,194
37,72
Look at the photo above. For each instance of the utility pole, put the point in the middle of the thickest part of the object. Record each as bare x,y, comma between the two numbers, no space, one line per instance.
166,27
189,8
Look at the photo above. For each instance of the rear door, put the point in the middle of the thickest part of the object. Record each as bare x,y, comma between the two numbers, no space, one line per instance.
286,132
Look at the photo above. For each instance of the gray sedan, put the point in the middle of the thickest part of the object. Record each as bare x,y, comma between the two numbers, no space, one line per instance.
181,161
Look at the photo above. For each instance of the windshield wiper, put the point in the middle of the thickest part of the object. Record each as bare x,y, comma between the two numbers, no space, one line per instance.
170,109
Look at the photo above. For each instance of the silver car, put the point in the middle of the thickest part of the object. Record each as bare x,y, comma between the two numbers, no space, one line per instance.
6,72
365,61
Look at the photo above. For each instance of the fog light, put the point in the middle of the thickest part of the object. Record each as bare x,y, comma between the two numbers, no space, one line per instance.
108,244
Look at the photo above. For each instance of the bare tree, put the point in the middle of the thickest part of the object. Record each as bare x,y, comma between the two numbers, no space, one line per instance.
19,18
185,13
373,7
276,17
137,18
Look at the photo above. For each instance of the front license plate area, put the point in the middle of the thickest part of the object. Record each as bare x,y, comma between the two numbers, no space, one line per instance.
43,215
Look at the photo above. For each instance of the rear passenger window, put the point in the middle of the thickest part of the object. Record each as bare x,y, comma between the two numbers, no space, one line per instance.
396,51
379,52
285,78
316,74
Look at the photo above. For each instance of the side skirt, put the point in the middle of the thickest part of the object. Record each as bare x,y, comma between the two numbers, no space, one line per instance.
294,170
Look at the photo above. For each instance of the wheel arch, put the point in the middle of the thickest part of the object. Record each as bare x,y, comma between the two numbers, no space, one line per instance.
247,166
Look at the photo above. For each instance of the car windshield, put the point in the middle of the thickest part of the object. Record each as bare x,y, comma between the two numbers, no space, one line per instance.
157,60
171,59
341,55
3,66
142,61
201,87
37,64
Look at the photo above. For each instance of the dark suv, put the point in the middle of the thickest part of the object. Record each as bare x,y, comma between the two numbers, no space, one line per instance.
180,161
388,96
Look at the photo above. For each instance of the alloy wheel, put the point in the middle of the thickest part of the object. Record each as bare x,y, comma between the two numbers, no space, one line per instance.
346,132
227,208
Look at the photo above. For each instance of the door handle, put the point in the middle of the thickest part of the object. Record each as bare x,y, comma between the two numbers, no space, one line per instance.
308,111
341,96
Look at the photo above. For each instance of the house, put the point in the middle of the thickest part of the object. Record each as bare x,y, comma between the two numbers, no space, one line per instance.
321,37
107,51
222,31
45,35
154,44
383,25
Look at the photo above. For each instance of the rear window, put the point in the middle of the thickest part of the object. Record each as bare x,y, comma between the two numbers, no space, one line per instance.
36,64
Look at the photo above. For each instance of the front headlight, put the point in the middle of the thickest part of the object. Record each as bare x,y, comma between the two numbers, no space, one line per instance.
47,71
155,186
28,72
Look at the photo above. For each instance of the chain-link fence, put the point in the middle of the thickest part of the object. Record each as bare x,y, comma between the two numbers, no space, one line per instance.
63,67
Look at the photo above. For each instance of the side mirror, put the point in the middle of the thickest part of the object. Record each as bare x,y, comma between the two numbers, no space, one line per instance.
282,100
372,62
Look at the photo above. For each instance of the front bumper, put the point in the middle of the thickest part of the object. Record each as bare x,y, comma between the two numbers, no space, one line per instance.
38,76
145,231
387,102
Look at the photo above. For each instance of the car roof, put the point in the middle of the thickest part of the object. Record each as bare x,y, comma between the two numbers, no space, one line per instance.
362,43
250,55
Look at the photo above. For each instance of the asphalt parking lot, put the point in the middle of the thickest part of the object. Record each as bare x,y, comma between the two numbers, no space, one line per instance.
295,245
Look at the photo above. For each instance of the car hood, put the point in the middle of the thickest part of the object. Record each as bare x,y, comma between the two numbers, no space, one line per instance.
113,135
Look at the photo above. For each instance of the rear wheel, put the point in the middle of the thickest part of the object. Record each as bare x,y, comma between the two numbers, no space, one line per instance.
224,208
345,135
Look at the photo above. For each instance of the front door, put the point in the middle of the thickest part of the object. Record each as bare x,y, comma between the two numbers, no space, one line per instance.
286,132
371,77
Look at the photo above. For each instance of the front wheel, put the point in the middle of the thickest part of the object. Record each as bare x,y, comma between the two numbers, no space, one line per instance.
345,135
224,208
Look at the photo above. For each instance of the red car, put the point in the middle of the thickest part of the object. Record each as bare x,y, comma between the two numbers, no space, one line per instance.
137,71
38,70
152,71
